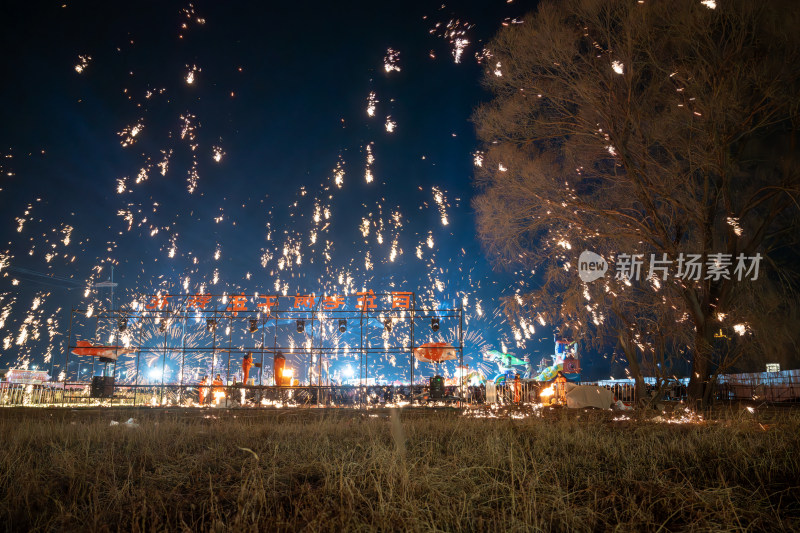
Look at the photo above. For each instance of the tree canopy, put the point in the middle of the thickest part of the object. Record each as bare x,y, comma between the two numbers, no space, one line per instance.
648,131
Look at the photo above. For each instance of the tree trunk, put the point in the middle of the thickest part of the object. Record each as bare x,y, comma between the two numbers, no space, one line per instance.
633,364
699,390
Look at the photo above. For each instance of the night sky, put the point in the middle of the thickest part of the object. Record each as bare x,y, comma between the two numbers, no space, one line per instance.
278,93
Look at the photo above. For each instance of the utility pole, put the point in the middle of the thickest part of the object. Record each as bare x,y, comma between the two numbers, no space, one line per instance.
110,284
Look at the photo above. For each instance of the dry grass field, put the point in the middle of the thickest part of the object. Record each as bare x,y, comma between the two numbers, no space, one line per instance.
416,470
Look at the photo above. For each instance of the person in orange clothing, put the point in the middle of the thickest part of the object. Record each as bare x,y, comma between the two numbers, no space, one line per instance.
247,364
517,388
279,363
217,386
202,390
561,387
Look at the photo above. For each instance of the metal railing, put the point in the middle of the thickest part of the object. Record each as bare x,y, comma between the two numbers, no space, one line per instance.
758,390
17,394
127,395
80,393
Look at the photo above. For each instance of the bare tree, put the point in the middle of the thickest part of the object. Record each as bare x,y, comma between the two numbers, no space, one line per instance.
659,128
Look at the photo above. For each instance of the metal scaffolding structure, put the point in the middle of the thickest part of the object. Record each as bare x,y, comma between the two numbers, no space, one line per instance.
212,339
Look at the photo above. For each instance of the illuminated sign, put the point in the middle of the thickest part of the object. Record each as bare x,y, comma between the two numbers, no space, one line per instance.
242,303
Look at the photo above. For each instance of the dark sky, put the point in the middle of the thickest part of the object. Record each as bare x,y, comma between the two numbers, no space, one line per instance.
280,90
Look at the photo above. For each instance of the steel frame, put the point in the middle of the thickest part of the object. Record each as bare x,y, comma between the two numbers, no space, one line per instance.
315,315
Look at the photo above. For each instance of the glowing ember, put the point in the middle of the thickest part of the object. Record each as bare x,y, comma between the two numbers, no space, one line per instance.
217,153
83,62
372,100
191,73
390,61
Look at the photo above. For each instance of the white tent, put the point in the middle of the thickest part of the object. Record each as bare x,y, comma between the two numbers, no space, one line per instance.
589,396
491,392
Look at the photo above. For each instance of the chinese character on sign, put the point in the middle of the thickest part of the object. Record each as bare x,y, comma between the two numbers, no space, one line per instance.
690,267
158,302
268,303
740,266
304,300
629,267
401,300
773,367
200,301
661,265
238,303
366,300
332,302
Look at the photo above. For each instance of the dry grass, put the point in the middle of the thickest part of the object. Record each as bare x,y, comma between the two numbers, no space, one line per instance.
348,471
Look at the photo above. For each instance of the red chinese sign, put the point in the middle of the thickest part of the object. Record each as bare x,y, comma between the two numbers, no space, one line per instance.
240,303
199,301
157,301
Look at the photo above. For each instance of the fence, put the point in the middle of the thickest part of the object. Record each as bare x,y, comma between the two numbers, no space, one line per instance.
132,395
765,386
75,395
622,390
80,394
13,394
735,387
762,386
